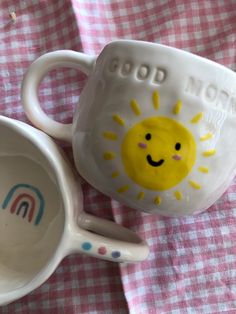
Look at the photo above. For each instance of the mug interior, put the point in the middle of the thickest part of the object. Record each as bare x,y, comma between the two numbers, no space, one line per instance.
31,210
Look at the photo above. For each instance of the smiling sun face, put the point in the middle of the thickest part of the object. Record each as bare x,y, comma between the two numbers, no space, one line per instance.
157,157
158,153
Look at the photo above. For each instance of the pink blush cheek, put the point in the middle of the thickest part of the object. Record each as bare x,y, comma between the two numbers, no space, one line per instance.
176,157
142,145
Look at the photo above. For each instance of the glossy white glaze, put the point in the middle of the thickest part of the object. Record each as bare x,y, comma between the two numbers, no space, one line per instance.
127,71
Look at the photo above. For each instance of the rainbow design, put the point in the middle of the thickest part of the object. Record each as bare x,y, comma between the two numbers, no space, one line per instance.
26,200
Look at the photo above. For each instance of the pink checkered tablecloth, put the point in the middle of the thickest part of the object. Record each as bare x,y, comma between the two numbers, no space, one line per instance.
192,262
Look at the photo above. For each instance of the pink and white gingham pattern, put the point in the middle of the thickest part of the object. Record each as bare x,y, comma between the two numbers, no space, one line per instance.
192,264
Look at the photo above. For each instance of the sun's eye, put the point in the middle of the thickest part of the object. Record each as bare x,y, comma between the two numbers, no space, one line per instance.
177,146
148,136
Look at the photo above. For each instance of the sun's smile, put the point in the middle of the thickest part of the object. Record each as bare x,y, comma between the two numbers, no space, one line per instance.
154,163
156,153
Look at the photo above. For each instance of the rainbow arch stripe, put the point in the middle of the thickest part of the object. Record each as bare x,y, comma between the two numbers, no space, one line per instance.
25,202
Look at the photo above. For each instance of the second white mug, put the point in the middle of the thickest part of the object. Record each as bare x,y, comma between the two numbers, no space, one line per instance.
42,217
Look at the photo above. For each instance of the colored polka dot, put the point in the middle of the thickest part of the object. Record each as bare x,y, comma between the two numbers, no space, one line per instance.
115,254
102,250
86,246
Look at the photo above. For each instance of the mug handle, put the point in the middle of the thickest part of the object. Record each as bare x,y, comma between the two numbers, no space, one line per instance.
32,79
107,240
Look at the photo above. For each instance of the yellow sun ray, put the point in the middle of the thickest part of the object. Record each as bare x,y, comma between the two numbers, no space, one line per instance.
177,108
123,189
110,136
135,107
178,195
109,155
194,185
155,99
118,119
197,118
140,195
203,169
157,200
209,153
115,174
206,137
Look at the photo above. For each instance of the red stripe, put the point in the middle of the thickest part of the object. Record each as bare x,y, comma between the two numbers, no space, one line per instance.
18,199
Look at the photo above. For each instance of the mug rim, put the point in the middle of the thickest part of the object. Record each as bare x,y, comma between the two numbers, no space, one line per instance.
59,253
166,49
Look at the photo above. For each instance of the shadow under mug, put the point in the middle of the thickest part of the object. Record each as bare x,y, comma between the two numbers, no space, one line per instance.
42,217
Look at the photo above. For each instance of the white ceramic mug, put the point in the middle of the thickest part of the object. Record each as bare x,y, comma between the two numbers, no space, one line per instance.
154,128
42,217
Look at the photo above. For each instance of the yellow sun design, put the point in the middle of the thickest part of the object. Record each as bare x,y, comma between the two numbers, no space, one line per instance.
157,152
